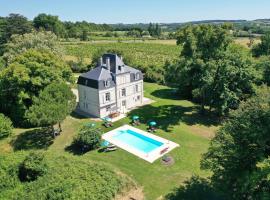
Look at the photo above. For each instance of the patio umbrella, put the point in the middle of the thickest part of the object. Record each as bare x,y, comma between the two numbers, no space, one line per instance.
105,143
135,117
152,123
108,119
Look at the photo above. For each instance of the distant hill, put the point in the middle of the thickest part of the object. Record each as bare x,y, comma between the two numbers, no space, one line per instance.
174,26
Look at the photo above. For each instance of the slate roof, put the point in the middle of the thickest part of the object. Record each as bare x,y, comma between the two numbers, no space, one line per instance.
101,73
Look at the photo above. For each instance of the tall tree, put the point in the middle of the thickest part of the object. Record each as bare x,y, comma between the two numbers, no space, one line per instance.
49,23
207,58
25,77
36,40
238,148
263,48
52,106
13,24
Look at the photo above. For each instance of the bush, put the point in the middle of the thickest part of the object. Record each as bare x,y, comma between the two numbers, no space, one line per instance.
32,167
67,177
5,126
88,139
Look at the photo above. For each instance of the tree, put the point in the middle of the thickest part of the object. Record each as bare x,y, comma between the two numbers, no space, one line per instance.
88,138
52,106
263,48
49,23
211,70
14,24
25,77
32,167
239,145
5,126
36,40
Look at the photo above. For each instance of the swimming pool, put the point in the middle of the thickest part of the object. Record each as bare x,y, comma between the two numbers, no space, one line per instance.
140,143
136,140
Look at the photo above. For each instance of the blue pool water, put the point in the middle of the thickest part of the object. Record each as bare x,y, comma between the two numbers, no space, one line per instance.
137,140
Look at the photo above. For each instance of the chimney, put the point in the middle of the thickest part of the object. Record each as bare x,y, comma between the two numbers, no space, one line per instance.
108,63
100,61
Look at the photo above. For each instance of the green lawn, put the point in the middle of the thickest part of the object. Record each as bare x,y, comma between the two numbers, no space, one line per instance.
179,122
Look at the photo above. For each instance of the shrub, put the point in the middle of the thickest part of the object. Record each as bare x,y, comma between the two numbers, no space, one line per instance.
32,167
88,139
5,126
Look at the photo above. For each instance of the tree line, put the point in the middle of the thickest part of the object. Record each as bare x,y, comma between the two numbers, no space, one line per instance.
18,24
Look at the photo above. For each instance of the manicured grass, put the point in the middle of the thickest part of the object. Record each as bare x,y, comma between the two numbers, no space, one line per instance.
178,121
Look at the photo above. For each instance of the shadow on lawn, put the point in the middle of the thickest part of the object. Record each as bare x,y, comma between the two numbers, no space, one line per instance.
74,149
166,94
195,188
168,116
33,139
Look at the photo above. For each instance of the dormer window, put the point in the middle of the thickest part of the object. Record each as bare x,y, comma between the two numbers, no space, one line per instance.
107,83
137,76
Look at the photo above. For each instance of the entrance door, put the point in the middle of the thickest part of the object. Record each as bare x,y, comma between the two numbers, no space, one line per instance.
123,106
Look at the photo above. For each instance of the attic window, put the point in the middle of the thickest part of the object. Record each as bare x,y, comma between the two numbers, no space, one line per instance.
107,83
119,67
137,76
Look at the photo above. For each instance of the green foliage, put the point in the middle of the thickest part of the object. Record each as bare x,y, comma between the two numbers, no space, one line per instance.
25,77
211,70
88,138
13,24
52,105
263,48
36,40
66,177
49,23
5,126
239,145
154,30
32,167
204,42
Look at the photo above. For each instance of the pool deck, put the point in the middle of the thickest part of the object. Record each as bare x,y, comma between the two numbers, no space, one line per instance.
151,156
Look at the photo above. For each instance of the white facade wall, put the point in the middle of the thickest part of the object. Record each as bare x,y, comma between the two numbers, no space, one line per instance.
104,104
133,94
94,102
89,100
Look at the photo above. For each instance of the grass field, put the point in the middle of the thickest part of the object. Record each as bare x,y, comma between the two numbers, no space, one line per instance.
178,121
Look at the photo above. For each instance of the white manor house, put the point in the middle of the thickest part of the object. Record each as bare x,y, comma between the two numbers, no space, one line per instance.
110,88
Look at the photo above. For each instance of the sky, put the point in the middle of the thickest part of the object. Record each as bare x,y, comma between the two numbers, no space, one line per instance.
139,11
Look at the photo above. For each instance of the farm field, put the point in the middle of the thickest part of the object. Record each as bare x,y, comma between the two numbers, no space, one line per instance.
141,54
178,121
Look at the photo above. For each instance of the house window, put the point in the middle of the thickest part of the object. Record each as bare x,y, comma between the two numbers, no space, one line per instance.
138,98
119,67
123,92
108,108
137,88
124,103
137,76
107,83
107,96
84,94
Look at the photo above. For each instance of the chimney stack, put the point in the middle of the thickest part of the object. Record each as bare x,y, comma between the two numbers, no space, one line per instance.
108,63
100,61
